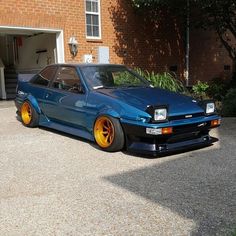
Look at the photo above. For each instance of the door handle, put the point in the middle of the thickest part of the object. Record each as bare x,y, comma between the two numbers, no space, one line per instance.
48,95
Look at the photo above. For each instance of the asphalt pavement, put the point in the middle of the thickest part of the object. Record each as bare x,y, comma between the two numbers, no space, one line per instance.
56,184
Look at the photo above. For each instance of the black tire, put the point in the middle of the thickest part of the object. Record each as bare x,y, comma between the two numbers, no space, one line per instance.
28,114
113,134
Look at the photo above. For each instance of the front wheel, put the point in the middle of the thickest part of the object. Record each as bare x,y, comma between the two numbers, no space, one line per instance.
108,134
28,114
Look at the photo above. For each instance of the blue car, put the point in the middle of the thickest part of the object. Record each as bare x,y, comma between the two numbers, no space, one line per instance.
114,107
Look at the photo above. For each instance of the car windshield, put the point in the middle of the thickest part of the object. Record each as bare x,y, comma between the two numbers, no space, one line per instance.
98,77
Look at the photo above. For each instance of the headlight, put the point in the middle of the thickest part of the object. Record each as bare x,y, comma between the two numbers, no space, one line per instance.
160,114
210,107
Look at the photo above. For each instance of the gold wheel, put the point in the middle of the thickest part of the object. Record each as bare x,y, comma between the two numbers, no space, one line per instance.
26,113
104,132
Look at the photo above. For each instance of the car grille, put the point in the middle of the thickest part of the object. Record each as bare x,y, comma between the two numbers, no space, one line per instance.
184,116
191,127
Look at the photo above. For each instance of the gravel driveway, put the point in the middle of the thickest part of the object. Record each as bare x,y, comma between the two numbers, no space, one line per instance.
55,184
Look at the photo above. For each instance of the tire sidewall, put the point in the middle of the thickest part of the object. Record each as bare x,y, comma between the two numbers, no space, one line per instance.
119,139
35,117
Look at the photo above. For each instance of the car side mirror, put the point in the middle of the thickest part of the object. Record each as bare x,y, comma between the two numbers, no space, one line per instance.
77,88
81,89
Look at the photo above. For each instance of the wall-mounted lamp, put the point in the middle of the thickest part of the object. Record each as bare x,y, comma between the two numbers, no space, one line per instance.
73,45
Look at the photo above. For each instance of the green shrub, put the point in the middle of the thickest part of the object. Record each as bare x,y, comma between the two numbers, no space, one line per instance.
200,90
233,232
232,83
164,81
229,103
217,89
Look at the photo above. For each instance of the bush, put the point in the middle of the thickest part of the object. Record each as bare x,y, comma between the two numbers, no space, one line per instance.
217,89
232,83
229,103
164,81
200,90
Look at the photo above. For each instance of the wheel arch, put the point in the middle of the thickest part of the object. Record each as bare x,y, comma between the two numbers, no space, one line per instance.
33,101
107,112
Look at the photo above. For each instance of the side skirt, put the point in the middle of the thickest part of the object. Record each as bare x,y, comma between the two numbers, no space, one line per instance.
44,122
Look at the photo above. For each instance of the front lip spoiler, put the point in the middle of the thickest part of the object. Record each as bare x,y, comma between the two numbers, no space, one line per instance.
167,148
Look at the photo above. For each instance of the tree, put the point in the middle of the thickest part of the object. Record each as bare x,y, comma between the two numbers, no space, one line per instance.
217,15
220,16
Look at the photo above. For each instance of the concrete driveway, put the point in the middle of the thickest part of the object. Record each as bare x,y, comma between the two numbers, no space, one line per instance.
55,184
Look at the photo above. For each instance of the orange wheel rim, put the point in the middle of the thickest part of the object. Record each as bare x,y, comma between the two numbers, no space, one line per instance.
104,132
26,113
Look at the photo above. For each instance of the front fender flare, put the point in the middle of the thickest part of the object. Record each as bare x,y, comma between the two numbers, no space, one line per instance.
109,112
106,112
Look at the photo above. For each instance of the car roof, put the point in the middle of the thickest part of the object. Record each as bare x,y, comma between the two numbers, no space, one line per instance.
86,64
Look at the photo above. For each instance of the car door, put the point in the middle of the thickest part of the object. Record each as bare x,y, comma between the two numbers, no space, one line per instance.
65,99
40,82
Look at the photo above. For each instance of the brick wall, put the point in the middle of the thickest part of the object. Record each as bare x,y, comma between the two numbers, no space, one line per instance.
208,57
130,39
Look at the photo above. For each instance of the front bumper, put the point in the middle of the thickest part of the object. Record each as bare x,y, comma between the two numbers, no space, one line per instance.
185,135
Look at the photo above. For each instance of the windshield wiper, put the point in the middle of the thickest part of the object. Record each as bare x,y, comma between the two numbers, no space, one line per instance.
98,87
103,87
134,86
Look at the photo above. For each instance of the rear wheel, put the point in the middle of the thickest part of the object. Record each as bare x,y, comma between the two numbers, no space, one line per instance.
29,116
108,134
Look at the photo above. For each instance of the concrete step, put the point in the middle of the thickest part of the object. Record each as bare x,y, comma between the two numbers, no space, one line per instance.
11,76
10,85
11,90
11,96
10,80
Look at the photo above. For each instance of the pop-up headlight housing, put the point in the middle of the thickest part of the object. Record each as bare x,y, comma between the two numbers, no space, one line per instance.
160,114
210,108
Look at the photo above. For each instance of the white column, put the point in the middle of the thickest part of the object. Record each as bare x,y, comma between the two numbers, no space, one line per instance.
2,81
60,47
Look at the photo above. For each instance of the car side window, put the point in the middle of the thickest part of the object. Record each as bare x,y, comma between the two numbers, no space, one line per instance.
43,78
67,79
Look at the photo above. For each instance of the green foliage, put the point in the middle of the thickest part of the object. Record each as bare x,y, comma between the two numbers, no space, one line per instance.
164,81
234,232
229,103
217,89
200,89
156,4
125,79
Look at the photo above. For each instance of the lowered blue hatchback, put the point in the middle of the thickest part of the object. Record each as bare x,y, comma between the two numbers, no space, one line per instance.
115,107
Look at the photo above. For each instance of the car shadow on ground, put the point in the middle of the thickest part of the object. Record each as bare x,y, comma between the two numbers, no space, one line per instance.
193,187
198,185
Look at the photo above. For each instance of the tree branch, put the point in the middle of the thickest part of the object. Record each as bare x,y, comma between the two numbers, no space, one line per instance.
228,47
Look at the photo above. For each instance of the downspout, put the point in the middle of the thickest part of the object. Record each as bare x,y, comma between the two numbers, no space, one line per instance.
187,45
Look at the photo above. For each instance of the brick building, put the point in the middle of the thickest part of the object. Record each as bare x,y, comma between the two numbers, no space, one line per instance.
36,33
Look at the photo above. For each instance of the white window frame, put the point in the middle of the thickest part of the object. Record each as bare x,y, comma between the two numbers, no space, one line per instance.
99,21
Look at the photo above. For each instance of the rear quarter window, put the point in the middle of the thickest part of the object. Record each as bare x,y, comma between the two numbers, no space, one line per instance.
43,78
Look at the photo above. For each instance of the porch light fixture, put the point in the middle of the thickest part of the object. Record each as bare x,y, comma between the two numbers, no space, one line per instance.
73,45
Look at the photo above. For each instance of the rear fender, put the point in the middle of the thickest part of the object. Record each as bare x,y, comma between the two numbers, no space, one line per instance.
34,103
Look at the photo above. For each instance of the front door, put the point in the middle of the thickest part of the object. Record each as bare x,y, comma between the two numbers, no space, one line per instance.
65,100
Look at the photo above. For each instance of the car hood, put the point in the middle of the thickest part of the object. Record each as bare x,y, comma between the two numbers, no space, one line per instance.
141,98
